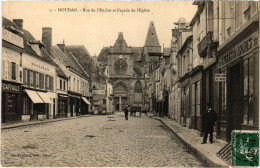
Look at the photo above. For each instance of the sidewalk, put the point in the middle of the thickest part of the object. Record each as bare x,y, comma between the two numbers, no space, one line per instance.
207,152
28,123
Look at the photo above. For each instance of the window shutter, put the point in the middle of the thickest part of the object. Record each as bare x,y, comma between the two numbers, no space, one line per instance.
34,79
253,6
46,82
51,82
24,76
10,70
3,69
28,79
238,14
232,15
17,72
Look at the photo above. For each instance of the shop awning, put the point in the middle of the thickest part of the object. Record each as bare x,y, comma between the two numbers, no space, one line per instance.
34,96
45,97
86,100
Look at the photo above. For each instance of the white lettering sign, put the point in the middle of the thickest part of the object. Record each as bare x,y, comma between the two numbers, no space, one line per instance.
99,92
12,38
220,77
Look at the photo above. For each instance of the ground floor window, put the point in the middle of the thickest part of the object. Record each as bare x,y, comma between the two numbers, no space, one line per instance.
26,105
223,99
62,106
248,95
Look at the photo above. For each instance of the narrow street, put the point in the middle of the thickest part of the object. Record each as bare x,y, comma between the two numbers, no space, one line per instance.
96,141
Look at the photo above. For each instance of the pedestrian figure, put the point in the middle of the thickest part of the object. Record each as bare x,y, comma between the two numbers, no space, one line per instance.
126,113
133,111
145,111
210,119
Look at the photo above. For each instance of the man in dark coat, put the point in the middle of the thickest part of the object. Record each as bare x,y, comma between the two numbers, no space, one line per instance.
210,119
126,112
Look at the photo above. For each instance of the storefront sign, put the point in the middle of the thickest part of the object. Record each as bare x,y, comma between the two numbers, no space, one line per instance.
12,38
239,50
40,66
11,87
99,92
220,77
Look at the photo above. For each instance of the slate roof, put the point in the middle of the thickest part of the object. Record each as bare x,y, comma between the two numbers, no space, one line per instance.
60,72
67,58
151,38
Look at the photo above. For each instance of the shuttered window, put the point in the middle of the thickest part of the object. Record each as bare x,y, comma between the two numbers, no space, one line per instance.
51,82
238,14
34,79
232,15
13,71
46,82
24,76
3,69
41,81
37,80
253,7
31,78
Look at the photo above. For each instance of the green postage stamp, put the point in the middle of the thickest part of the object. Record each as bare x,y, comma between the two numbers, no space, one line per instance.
245,148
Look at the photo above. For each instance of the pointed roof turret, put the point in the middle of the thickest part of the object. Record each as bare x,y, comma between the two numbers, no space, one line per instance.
152,42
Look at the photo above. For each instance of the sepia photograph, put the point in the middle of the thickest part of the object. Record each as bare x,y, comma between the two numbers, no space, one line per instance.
130,83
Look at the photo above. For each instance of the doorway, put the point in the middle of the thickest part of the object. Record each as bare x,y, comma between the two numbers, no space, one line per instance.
235,99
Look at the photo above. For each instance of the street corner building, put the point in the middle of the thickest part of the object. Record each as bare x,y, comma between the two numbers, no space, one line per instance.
129,69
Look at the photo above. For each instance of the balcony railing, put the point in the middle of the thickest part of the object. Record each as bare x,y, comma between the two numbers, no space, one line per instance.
203,45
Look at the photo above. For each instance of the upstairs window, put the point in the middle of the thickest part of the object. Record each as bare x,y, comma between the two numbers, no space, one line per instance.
13,76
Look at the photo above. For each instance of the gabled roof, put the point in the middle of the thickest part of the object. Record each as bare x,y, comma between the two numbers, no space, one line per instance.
120,45
103,55
82,56
151,38
8,24
68,59
60,72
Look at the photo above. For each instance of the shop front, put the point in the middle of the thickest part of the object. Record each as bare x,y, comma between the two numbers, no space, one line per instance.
62,106
85,105
36,105
74,103
238,91
196,98
11,102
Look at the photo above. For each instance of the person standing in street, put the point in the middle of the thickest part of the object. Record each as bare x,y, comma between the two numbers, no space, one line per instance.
210,119
126,112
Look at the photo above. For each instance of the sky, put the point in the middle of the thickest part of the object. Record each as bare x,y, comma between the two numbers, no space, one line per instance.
95,28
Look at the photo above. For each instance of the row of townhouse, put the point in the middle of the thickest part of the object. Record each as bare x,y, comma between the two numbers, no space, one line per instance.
214,59
40,81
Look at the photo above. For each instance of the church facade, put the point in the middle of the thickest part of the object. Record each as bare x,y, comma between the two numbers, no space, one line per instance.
128,70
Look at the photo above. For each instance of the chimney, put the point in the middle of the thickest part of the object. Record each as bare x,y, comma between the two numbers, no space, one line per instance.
61,46
47,38
19,23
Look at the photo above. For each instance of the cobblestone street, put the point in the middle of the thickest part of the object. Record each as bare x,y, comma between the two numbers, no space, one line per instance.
96,141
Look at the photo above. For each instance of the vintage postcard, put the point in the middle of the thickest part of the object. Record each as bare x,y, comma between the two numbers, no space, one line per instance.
130,84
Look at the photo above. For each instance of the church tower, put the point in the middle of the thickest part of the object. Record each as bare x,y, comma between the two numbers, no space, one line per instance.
152,44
